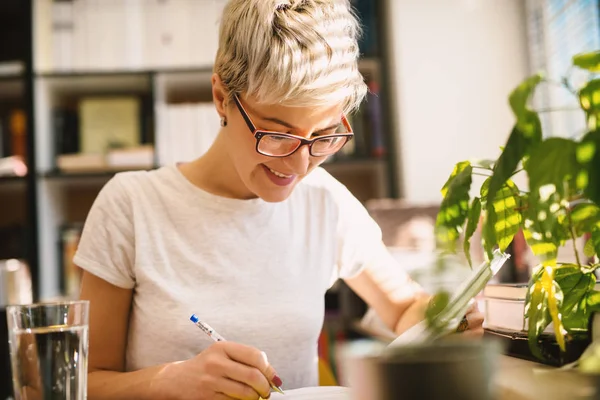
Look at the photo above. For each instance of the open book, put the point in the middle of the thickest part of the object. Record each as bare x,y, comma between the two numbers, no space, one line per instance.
315,393
459,302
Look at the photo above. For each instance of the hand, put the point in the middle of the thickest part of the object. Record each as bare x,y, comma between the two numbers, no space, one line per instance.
225,370
474,322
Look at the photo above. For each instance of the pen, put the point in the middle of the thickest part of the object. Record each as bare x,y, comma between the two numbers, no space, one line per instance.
211,333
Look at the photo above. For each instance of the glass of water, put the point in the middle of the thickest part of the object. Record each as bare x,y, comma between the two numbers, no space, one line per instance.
49,350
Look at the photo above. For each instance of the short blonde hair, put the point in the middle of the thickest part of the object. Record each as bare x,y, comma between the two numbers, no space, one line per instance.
291,52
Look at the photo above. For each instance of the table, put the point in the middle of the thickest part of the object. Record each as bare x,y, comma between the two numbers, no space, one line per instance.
525,380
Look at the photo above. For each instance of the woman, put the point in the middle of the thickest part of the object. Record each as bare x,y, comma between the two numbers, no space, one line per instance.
249,236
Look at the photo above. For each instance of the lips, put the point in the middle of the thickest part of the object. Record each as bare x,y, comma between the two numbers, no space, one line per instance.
280,174
278,178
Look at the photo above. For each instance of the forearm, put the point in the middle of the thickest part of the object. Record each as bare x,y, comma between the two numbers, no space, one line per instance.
148,383
414,314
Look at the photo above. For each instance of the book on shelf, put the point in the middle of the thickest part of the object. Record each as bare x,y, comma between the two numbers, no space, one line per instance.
12,241
184,131
73,35
13,132
129,158
367,124
111,121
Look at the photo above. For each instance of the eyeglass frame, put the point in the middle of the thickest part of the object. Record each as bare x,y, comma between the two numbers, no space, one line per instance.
260,133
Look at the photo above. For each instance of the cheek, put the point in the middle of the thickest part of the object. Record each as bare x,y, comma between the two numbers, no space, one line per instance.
243,149
316,161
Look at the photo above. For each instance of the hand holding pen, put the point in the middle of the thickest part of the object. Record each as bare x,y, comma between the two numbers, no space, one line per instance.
236,370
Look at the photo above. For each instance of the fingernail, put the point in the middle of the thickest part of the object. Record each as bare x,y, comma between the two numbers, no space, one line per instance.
277,381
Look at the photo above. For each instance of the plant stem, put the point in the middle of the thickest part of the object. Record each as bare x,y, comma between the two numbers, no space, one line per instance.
549,110
517,171
562,85
482,168
573,237
478,174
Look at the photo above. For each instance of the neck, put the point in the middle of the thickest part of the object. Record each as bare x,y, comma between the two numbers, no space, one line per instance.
215,173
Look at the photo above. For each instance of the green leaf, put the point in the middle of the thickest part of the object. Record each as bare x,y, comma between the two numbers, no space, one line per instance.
596,240
436,305
588,154
542,228
508,223
584,218
553,162
575,286
517,148
589,98
488,232
472,222
455,205
589,61
503,221
593,301
527,121
589,249
536,311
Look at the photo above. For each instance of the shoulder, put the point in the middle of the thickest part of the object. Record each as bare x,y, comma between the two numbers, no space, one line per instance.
125,189
323,182
135,183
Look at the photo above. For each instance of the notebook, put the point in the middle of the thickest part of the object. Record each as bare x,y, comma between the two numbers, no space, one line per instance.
314,393
460,300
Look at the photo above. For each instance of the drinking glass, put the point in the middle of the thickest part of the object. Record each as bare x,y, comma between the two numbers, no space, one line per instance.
49,350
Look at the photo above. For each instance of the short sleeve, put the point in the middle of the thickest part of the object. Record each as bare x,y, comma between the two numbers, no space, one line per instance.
359,236
106,248
360,248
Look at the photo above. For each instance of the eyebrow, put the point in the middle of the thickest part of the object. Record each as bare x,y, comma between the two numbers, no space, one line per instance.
290,126
287,124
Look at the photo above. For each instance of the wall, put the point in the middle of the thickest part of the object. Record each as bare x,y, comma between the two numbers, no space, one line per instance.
453,65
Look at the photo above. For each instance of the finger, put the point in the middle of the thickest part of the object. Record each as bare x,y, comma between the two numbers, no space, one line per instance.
475,320
221,396
250,377
474,333
253,358
472,307
236,390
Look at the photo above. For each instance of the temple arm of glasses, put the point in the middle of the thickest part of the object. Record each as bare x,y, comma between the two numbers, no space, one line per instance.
244,113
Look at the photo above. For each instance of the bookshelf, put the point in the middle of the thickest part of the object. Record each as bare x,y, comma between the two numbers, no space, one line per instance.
157,66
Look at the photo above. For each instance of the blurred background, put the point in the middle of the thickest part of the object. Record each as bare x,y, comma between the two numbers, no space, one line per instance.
92,87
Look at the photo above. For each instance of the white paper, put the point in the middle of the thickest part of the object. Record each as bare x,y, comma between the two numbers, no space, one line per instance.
451,315
315,393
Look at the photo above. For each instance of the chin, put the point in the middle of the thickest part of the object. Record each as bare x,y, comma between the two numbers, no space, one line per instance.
275,195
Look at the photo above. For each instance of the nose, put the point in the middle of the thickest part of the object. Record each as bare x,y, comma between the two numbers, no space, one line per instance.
299,161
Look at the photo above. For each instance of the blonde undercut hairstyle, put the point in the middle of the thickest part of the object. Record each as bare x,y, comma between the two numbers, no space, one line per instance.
291,52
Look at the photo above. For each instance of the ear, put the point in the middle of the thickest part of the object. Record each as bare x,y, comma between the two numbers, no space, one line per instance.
220,95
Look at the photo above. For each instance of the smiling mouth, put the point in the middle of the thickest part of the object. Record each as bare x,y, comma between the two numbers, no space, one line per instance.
279,174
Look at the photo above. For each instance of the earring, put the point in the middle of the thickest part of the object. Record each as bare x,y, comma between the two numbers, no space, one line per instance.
223,121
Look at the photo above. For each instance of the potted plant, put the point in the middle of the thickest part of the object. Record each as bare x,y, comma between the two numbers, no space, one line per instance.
561,204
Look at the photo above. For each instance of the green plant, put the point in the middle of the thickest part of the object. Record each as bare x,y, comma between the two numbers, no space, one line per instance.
561,204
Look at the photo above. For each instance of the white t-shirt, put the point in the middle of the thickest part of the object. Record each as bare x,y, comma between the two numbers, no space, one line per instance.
255,271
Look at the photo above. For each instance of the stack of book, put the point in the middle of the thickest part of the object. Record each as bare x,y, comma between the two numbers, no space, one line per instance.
504,310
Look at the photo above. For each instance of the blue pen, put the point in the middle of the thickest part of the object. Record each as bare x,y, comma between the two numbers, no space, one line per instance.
211,333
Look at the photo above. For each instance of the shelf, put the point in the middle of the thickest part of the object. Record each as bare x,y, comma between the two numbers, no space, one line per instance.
86,84
116,72
84,178
11,88
365,178
11,183
11,70
350,165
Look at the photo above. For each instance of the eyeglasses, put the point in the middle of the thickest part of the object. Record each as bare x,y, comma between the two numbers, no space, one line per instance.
279,144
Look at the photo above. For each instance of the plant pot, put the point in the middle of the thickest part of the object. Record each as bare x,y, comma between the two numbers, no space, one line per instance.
450,368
